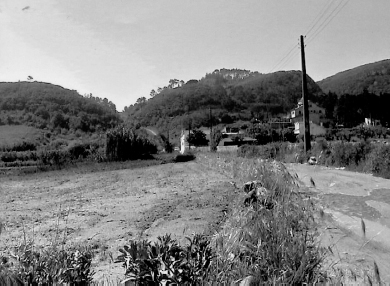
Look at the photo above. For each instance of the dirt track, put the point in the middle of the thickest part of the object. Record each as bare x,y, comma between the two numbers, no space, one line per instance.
108,208
348,198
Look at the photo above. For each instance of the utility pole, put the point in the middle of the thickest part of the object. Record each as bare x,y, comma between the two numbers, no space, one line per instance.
305,99
211,131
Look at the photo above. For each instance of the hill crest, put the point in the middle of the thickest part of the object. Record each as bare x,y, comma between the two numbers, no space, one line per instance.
373,77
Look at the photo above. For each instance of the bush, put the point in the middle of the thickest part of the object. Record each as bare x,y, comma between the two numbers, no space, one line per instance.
81,150
215,138
349,154
125,144
50,266
381,161
187,156
165,261
273,151
19,147
276,243
54,158
197,138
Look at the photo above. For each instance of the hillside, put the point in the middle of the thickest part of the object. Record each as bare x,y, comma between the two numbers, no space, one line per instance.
231,94
373,77
44,105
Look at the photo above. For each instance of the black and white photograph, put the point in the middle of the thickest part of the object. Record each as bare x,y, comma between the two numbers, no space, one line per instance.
194,142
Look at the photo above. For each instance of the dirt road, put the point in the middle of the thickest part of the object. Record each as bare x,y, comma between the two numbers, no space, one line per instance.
108,208
349,198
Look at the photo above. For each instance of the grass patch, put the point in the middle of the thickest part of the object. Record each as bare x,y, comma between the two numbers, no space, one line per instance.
361,156
15,134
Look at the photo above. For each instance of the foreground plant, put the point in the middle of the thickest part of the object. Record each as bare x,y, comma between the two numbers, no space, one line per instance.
29,266
166,262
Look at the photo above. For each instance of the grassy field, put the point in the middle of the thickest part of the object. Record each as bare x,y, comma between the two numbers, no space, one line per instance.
11,134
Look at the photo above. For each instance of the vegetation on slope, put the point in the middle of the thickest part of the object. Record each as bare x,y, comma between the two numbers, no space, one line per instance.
232,95
373,77
44,105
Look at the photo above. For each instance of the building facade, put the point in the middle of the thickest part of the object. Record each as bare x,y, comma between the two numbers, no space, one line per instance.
316,118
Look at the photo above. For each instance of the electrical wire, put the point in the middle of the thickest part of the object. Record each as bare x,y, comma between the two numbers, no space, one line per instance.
325,24
320,15
287,54
319,23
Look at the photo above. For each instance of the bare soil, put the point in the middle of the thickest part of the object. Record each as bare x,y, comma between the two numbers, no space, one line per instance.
108,208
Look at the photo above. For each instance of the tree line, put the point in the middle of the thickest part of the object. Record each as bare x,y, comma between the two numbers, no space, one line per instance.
49,106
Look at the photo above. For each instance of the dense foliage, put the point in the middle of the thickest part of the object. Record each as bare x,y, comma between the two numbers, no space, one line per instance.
374,77
197,138
231,94
45,105
351,110
165,262
364,155
126,144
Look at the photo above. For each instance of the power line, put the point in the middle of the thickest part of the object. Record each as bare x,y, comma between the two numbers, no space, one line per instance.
325,24
293,56
319,23
320,15
282,59
328,16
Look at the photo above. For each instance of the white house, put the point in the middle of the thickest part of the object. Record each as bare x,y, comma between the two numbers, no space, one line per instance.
371,122
316,118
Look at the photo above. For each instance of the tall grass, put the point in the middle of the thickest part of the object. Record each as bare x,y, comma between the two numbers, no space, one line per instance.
362,156
126,144
275,244
31,264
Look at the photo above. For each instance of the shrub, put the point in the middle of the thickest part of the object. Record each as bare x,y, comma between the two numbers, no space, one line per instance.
19,147
80,150
50,266
381,161
8,157
215,138
197,138
187,156
55,158
273,151
165,261
125,144
275,243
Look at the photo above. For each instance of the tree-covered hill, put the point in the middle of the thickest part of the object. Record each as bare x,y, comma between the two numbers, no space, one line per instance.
45,105
373,77
231,94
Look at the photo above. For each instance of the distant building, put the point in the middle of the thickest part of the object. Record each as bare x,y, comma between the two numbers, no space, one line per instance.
371,122
231,131
280,123
316,118
236,142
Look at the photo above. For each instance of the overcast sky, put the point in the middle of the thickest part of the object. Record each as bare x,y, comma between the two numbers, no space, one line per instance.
122,49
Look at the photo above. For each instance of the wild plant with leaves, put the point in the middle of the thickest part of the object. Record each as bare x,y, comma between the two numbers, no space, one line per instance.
165,261
126,144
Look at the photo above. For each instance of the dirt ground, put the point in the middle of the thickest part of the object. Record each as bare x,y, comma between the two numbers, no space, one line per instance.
110,207
348,198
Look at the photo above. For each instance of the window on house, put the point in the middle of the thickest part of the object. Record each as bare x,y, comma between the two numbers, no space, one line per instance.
320,111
